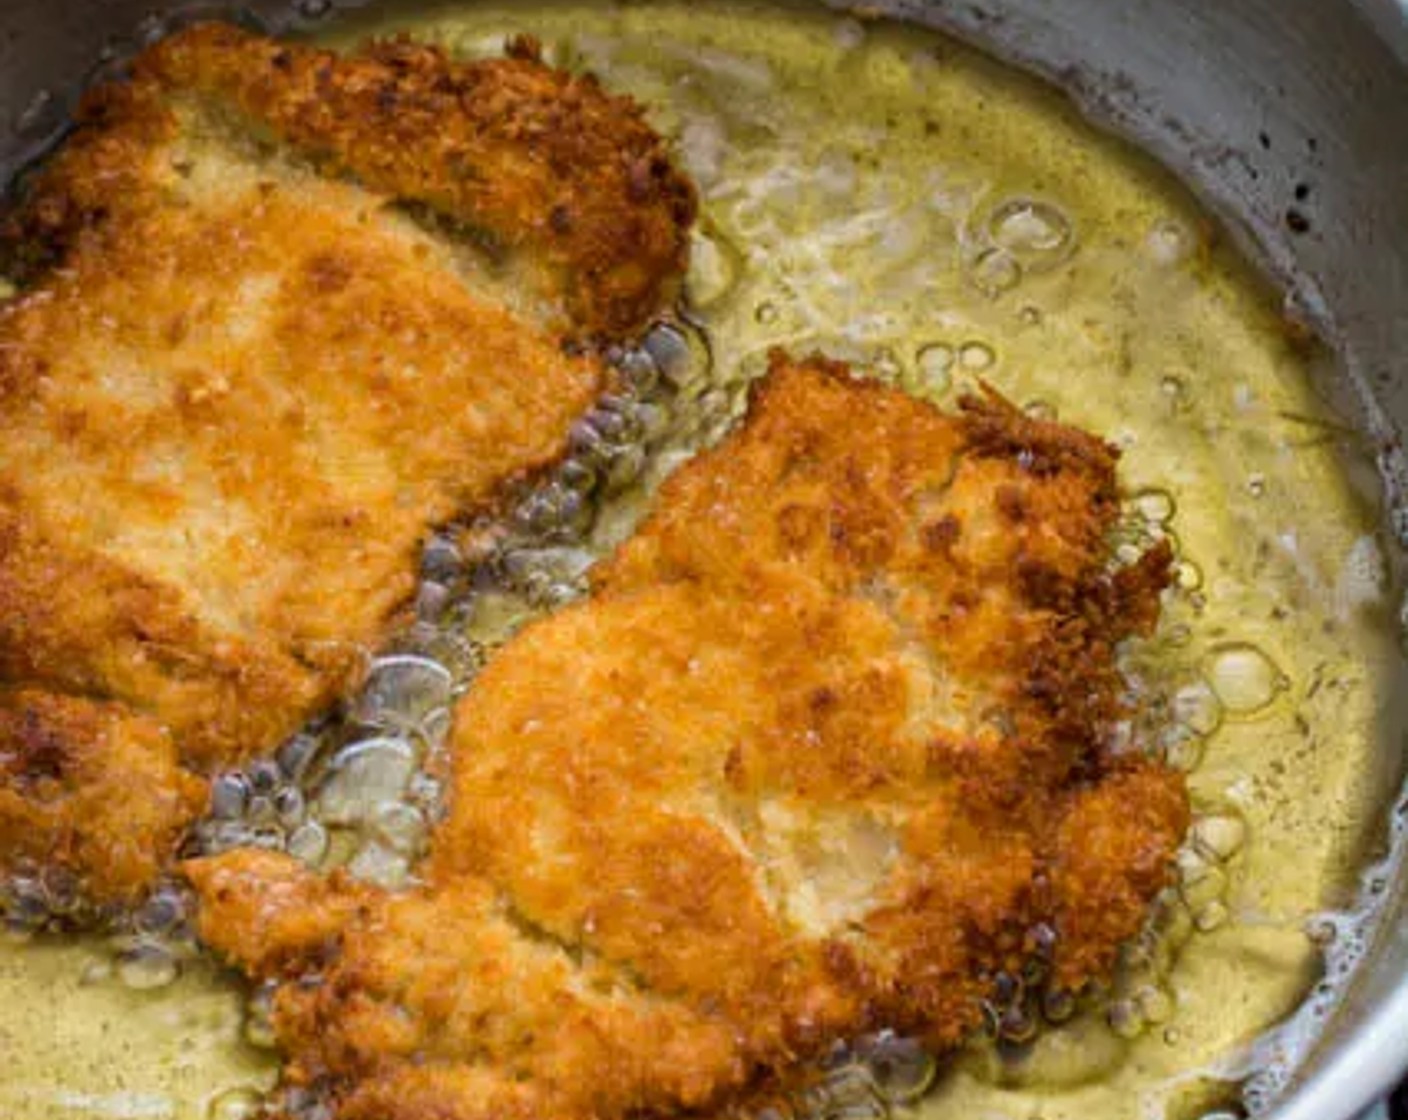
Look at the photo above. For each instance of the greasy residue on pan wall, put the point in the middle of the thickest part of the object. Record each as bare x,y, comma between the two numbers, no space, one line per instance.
893,198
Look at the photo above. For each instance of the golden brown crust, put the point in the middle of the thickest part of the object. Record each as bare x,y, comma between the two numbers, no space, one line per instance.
809,762
533,158
1111,857
224,441
91,788
234,397
443,1093
77,621
431,978
266,909
109,168
984,534
545,170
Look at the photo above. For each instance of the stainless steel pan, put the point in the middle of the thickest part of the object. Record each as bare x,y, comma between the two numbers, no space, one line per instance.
1288,116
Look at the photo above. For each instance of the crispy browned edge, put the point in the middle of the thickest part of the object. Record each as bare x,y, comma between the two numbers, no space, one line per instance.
528,157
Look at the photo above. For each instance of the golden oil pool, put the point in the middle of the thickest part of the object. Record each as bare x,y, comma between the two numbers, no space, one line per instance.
887,196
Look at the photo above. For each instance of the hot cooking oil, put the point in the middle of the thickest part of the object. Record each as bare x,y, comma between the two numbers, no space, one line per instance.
886,196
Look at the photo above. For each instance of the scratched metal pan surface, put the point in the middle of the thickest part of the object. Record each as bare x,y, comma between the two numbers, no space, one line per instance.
1245,101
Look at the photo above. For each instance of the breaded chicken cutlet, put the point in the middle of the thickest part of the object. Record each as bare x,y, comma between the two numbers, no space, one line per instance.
241,383
828,749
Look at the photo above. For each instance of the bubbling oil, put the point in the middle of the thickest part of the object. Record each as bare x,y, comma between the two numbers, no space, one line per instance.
889,197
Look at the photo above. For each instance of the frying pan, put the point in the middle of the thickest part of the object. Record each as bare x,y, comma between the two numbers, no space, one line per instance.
1246,100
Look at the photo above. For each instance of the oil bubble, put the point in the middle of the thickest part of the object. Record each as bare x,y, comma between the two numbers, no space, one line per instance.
1154,1003
435,730
714,266
432,599
220,836
379,865
269,837
342,845
579,476
426,793
289,806
236,1104
459,654
258,1018
229,796
934,363
654,422
402,690
1058,1006
63,895
1181,749
309,843
901,1068
846,1092
994,271
402,827
1036,232
1245,679
1168,242
264,776
1200,883
96,971
260,810
886,366
556,511
1197,708
147,966
160,913
1154,506
765,313
1219,837
976,356
1040,410
296,757
363,776
1017,1026
1212,916
1187,575
625,469
1124,1019
670,350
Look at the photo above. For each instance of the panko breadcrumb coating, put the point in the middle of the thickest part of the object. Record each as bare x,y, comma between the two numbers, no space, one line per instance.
241,384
